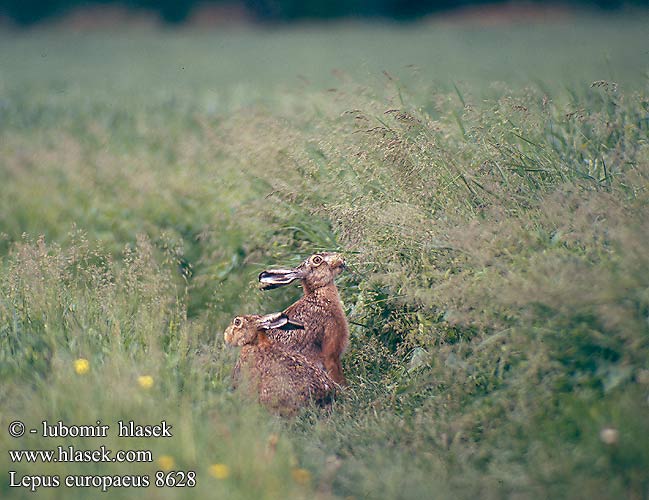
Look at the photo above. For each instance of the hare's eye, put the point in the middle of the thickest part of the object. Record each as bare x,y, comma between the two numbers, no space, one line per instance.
317,260
238,322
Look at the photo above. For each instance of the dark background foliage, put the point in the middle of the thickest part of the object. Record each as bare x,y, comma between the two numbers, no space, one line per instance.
25,12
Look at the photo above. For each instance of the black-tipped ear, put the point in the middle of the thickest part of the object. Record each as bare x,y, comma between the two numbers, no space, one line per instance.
275,278
292,324
278,320
274,320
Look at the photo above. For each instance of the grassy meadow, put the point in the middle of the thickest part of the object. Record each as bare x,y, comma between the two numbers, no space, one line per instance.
488,185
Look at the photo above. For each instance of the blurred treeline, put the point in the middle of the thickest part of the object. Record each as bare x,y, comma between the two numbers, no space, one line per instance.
26,12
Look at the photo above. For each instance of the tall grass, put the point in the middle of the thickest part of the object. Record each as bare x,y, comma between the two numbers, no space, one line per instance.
497,289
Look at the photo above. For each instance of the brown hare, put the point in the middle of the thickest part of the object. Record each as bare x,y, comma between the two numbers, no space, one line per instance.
326,333
284,381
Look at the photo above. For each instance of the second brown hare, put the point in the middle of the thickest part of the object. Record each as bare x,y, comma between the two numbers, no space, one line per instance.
284,381
326,334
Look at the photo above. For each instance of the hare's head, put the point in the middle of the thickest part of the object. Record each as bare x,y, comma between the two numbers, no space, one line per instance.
245,329
317,271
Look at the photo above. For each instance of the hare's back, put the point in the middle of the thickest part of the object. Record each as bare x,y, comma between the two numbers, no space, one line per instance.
295,378
302,341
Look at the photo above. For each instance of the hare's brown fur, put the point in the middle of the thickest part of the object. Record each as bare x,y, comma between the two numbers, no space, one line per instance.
326,333
284,381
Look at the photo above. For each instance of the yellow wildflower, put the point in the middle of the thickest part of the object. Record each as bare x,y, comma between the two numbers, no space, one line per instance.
219,471
145,381
81,366
301,476
166,462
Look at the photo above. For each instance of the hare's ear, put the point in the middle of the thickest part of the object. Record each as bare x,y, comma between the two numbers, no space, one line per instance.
292,324
275,278
278,320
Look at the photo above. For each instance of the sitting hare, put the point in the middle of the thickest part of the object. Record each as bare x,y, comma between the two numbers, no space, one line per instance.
283,380
326,333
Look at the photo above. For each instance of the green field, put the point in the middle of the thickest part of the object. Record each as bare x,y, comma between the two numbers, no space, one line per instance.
489,187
